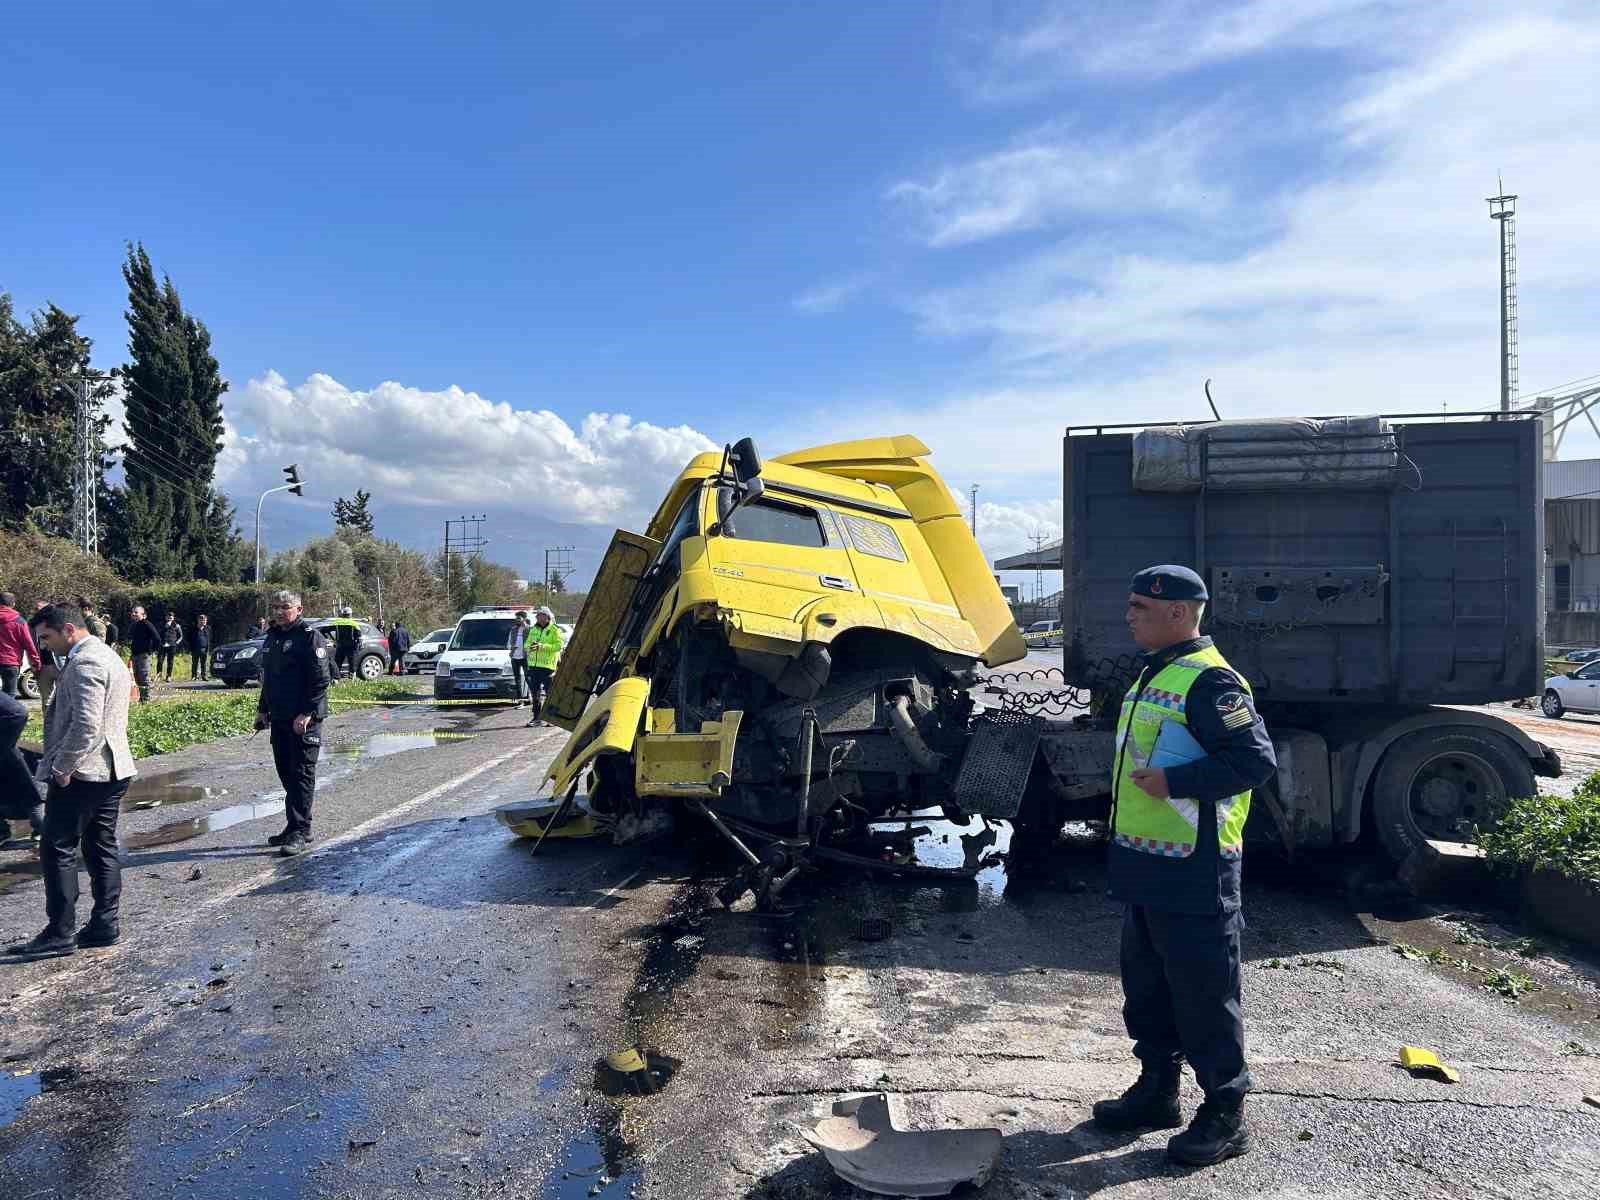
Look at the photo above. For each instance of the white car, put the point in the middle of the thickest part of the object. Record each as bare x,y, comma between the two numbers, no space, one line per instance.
1043,633
1578,691
421,655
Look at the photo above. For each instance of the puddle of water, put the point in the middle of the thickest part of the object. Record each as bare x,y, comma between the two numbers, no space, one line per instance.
157,793
17,1089
380,745
223,818
594,1162
941,843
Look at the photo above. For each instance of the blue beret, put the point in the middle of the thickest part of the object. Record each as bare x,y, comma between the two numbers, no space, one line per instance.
1169,582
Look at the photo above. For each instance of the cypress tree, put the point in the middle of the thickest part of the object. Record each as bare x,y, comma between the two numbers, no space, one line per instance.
170,521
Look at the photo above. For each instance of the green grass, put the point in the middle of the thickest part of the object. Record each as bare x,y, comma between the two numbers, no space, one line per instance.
192,718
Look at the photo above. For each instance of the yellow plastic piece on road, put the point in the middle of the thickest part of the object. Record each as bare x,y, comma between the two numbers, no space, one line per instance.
626,1061
1426,1063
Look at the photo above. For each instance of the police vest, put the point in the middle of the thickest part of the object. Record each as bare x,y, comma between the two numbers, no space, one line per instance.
543,646
1171,827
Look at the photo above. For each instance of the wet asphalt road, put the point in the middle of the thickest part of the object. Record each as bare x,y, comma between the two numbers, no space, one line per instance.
413,1008
417,1009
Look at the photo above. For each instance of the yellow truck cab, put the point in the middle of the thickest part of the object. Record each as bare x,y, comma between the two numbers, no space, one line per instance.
787,649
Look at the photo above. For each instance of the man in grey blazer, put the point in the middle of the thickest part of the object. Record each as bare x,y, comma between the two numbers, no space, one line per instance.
88,767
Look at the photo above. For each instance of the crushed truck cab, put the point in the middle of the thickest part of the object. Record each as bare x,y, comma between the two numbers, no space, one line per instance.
788,650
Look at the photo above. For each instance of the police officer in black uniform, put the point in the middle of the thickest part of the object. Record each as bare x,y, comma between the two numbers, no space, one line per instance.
1180,933
294,701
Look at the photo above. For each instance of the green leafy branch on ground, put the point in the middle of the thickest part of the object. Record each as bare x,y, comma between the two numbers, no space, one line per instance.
1550,833
1508,983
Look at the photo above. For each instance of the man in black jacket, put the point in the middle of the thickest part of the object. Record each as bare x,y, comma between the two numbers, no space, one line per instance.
294,701
144,640
200,648
399,647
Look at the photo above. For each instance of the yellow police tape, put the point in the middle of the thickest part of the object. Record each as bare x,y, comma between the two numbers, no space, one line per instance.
435,703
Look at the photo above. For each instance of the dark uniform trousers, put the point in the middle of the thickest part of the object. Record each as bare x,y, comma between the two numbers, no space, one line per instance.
82,814
1180,983
295,755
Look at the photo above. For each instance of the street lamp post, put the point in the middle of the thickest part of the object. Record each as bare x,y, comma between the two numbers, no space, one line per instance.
292,473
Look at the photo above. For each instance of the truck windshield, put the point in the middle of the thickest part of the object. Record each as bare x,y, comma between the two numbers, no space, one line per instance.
482,635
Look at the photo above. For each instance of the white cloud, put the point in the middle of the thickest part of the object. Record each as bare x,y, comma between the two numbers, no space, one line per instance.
1057,172
1067,40
451,448
829,297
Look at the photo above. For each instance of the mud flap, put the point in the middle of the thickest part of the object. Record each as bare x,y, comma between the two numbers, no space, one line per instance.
994,773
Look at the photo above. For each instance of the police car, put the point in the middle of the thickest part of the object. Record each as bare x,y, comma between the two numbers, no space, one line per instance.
476,663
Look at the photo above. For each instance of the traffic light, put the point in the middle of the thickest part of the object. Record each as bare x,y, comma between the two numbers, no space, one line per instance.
292,474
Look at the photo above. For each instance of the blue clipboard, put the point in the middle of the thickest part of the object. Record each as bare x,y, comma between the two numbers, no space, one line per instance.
1174,747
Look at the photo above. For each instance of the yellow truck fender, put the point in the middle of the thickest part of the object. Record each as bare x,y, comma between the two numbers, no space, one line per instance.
608,726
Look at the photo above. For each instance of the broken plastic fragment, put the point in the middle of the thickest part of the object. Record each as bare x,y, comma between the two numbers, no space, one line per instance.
1426,1064
864,1148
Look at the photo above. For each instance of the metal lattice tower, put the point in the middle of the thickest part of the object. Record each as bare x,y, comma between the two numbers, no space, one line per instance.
85,474
1503,208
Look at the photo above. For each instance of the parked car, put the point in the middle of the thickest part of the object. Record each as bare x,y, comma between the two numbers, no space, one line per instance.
239,663
1043,633
421,655
1577,691
1581,656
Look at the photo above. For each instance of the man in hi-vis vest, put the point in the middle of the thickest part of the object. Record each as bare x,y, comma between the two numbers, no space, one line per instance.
1189,749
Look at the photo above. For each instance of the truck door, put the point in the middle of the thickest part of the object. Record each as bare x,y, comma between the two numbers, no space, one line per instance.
605,612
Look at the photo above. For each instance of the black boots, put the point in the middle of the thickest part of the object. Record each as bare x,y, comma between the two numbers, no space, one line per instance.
1151,1103
1217,1132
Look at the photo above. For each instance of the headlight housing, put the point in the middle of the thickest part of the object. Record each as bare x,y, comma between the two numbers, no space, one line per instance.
247,652
443,668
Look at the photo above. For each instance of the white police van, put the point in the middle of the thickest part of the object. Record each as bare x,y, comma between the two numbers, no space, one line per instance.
476,663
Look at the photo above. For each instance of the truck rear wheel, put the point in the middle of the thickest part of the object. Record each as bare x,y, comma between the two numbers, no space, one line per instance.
1432,785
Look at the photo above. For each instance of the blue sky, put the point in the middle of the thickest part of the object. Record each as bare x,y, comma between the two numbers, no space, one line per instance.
524,259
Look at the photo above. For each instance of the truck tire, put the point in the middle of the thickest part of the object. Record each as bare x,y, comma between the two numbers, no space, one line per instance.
1550,704
1430,782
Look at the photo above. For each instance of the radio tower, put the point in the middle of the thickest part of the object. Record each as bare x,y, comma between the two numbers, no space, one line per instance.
1503,208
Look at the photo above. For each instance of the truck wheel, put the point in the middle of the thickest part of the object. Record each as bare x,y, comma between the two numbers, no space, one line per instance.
1430,785
1551,705
370,667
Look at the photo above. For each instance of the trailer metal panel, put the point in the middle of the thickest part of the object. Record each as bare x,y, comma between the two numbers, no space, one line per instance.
1440,573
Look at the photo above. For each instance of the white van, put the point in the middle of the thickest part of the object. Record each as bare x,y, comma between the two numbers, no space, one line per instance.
476,664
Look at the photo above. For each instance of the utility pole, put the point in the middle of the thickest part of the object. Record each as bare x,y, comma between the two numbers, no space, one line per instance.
292,474
1038,540
85,473
464,543
1503,208
974,512
557,566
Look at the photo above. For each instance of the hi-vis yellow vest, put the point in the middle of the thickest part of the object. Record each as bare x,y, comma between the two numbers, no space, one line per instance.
543,645
1170,827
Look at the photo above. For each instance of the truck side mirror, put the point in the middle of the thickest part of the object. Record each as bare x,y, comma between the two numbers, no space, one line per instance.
746,460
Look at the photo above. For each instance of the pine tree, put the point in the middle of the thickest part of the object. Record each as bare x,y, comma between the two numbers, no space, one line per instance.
170,520
353,514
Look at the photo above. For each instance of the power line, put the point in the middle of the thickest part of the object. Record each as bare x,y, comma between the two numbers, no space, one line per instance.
161,419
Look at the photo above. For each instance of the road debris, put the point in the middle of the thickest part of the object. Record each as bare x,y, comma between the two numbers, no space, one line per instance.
635,1072
864,1148
1425,1064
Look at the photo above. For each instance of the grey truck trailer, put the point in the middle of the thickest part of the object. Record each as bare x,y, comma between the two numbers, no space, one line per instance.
1367,575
